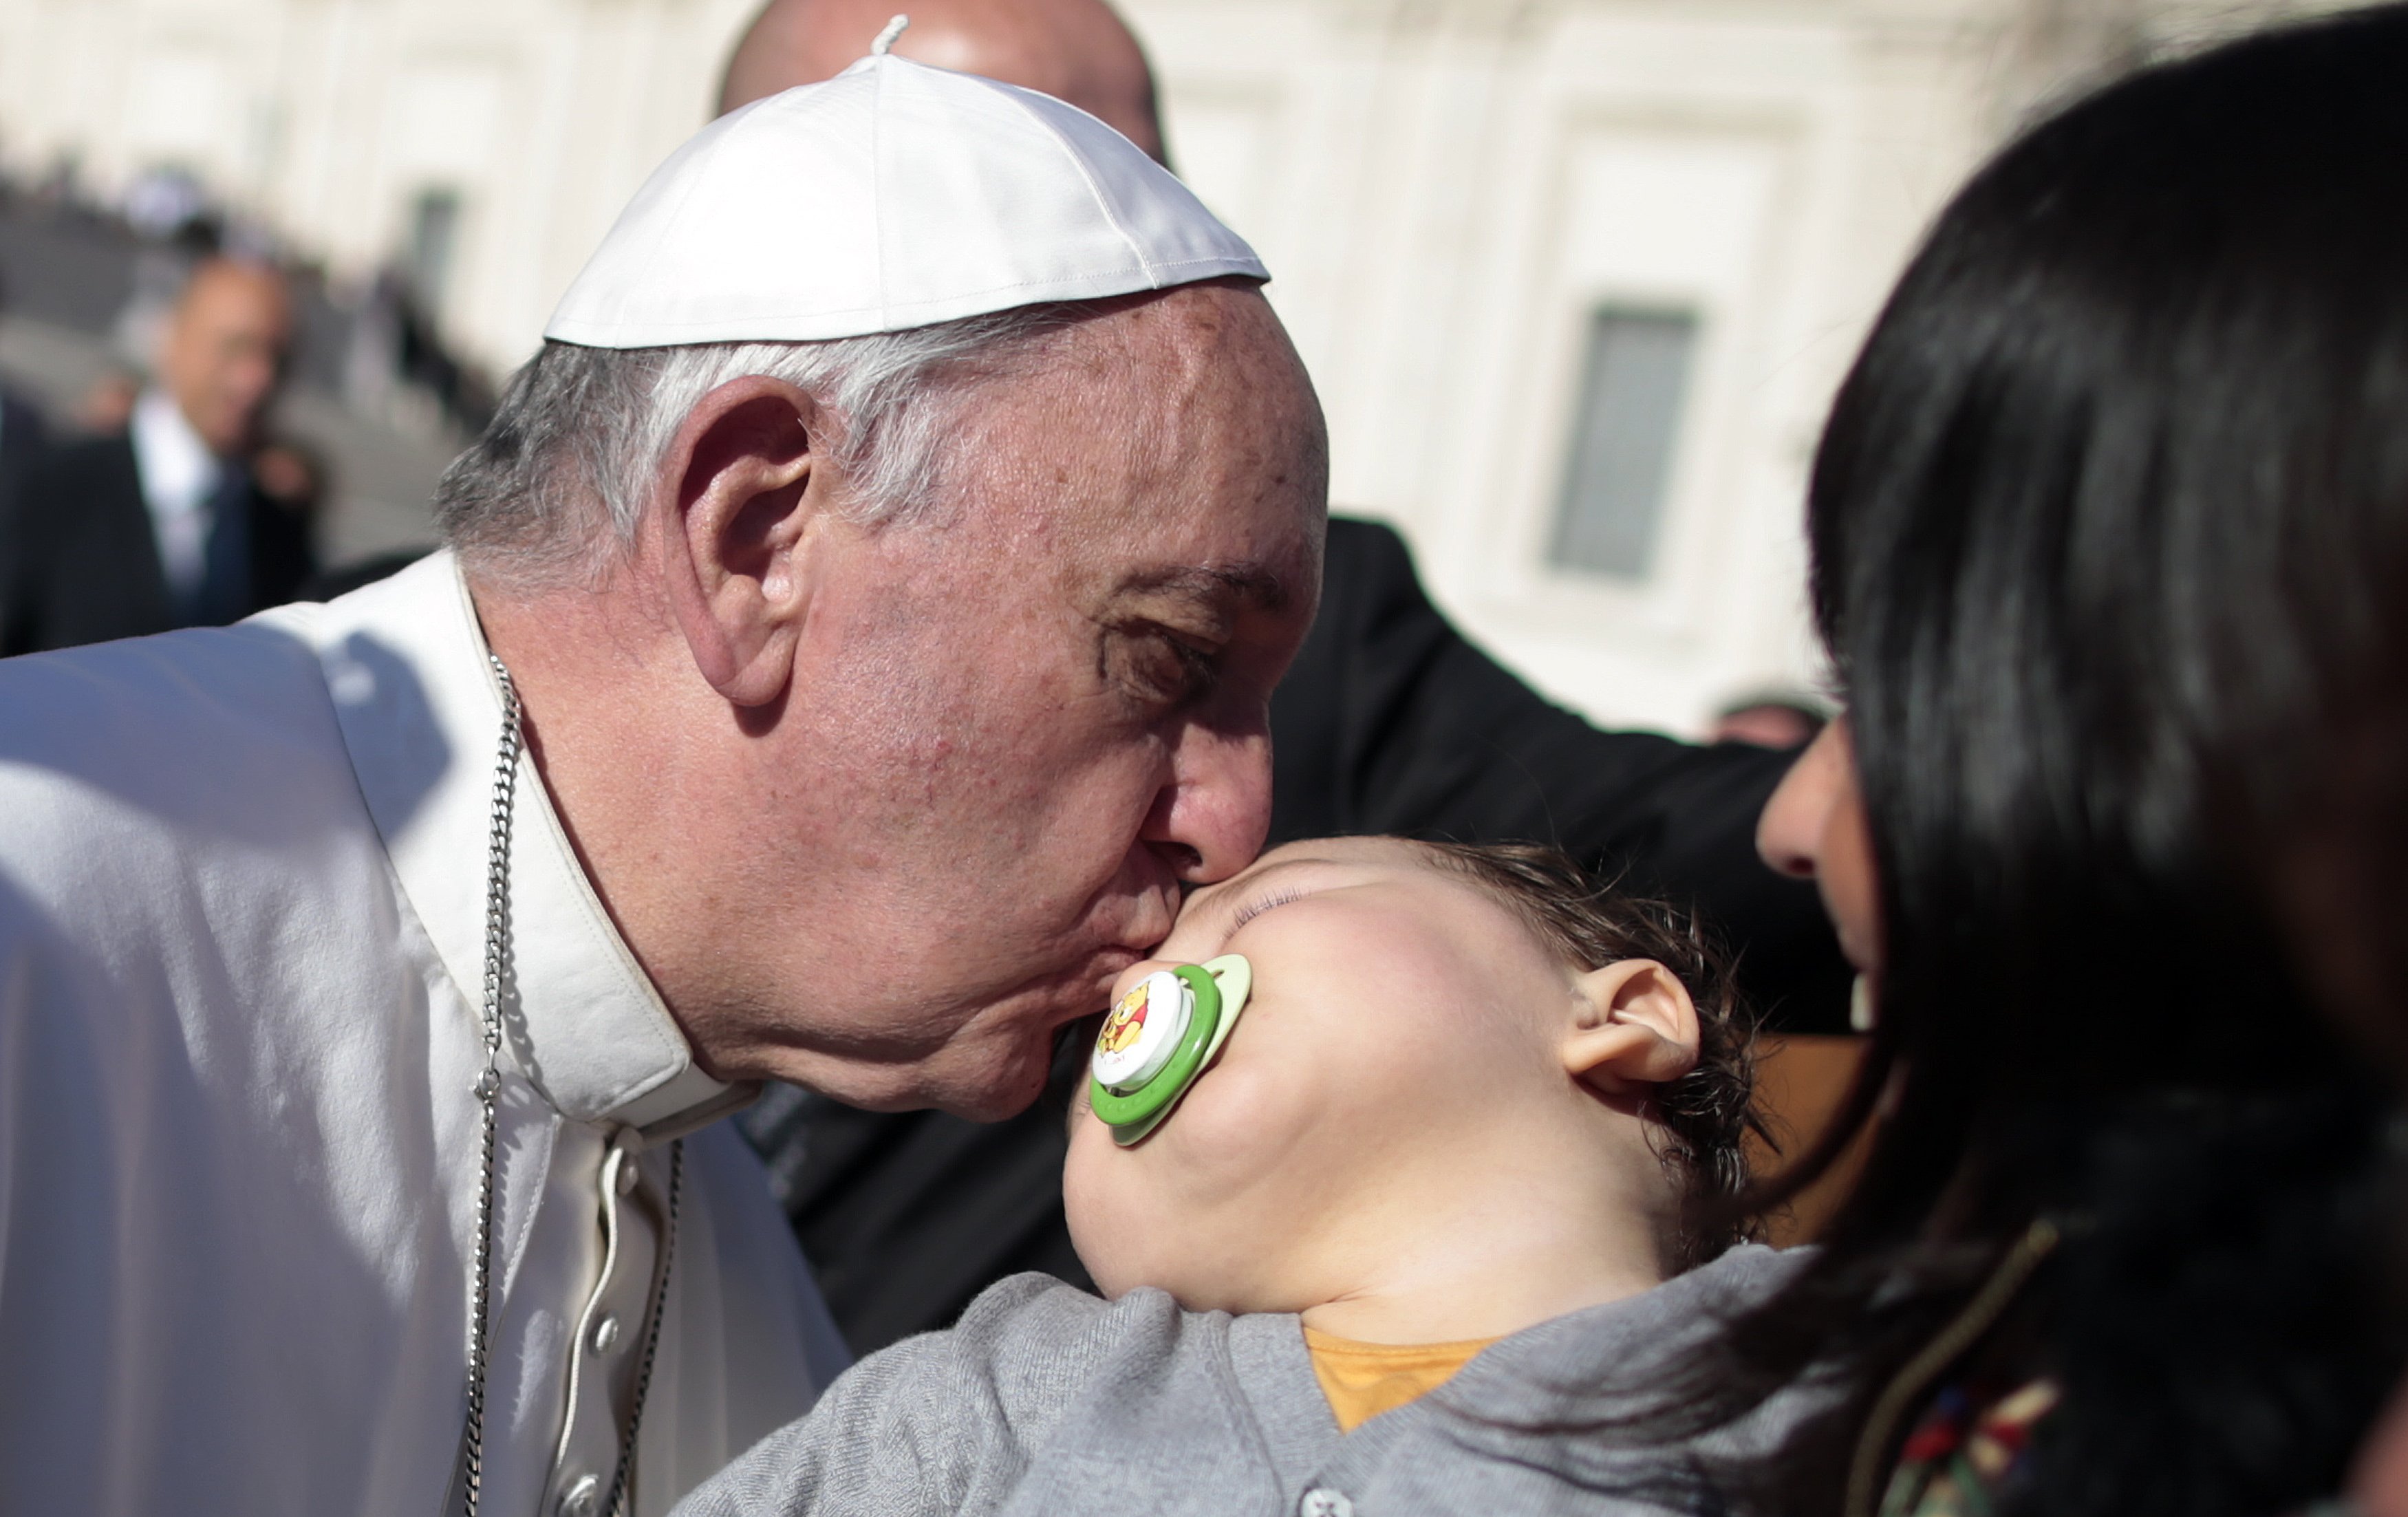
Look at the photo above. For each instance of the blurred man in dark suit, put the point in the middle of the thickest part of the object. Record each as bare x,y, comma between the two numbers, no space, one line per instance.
164,524
25,441
23,434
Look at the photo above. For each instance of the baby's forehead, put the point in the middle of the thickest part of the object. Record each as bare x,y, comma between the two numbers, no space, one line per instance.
1376,853
1294,864
1315,864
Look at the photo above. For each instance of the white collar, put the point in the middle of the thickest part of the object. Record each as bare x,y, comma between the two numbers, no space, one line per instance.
421,712
177,467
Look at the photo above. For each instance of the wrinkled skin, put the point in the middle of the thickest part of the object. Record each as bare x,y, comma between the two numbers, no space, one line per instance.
880,808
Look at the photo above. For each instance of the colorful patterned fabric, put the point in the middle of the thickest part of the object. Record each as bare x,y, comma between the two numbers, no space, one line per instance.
1962,1452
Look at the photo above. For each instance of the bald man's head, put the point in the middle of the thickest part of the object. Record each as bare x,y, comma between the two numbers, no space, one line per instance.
1078,51
223,351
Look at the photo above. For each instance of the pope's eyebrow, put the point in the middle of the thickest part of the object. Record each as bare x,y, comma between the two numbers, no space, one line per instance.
1251,583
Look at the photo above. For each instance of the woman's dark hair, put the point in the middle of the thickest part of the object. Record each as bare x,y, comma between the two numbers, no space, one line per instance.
1707,1115
2123,464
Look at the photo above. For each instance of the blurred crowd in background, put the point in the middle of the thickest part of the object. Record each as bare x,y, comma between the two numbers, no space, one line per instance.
1574,280
324,409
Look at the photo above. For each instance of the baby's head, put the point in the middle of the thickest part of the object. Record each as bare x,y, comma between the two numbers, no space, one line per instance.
1448,1054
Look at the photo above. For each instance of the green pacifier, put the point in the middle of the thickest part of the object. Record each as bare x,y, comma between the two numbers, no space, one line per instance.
1160,1038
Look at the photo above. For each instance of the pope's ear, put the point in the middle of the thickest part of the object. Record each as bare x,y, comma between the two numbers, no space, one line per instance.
1633,1027
737,533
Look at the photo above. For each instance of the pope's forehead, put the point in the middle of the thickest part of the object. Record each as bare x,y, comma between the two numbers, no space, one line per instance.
1169,346
1174,385
1162,485
1209,313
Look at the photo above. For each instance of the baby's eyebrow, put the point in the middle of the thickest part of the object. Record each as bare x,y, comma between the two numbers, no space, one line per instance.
1262,906
1229,895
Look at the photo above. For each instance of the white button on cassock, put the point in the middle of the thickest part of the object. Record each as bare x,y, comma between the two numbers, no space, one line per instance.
582,1496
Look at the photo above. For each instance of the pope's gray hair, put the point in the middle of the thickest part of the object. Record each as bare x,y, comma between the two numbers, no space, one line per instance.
554,491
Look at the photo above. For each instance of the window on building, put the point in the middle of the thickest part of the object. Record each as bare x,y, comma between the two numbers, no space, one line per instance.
1634,383
434,231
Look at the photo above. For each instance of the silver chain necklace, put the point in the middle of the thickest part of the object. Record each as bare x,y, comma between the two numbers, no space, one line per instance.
471,1476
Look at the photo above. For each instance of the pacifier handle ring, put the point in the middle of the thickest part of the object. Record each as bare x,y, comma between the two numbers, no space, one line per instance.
1171,1081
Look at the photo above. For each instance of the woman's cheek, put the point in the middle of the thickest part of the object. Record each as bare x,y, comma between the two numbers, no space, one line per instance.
1851,894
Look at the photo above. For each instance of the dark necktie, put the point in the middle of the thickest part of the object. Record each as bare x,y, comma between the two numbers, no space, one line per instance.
223,595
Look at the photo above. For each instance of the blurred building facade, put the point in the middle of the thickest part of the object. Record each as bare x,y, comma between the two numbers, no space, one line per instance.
1576,278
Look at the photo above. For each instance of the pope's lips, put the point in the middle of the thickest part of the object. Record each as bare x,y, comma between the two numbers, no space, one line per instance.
1082,985
1079,993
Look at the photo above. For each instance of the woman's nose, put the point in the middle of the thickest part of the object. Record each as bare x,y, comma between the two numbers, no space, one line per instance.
1790,834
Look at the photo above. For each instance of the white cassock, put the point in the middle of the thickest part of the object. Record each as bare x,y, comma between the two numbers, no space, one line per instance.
242,884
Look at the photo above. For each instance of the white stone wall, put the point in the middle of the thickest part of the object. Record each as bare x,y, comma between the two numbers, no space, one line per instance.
1443,188
326,118
1446,190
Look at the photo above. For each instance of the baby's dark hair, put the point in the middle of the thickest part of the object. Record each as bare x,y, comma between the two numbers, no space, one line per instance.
1707,1114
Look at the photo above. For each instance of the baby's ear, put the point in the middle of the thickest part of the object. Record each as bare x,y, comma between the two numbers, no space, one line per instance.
1633,1026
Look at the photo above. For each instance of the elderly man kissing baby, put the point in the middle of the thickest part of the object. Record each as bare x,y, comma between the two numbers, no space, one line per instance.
1392,1169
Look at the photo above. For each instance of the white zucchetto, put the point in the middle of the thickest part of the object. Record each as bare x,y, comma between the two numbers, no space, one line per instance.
891,196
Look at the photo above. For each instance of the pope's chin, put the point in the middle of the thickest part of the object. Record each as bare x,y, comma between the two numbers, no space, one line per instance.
983,1082
991,1067
990,1074
989,1085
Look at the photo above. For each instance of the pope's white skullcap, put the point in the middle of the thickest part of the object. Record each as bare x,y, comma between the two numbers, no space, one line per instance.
891,196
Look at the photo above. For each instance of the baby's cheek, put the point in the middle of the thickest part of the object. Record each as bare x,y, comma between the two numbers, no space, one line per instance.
1250,1101
1215,1174
1235,1137
1105,1195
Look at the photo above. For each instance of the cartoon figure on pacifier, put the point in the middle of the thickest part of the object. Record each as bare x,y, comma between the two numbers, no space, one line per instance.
1127,1022
1159,1038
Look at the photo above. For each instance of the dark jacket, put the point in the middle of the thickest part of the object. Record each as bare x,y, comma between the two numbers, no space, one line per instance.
82,565
1389,722
25,441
